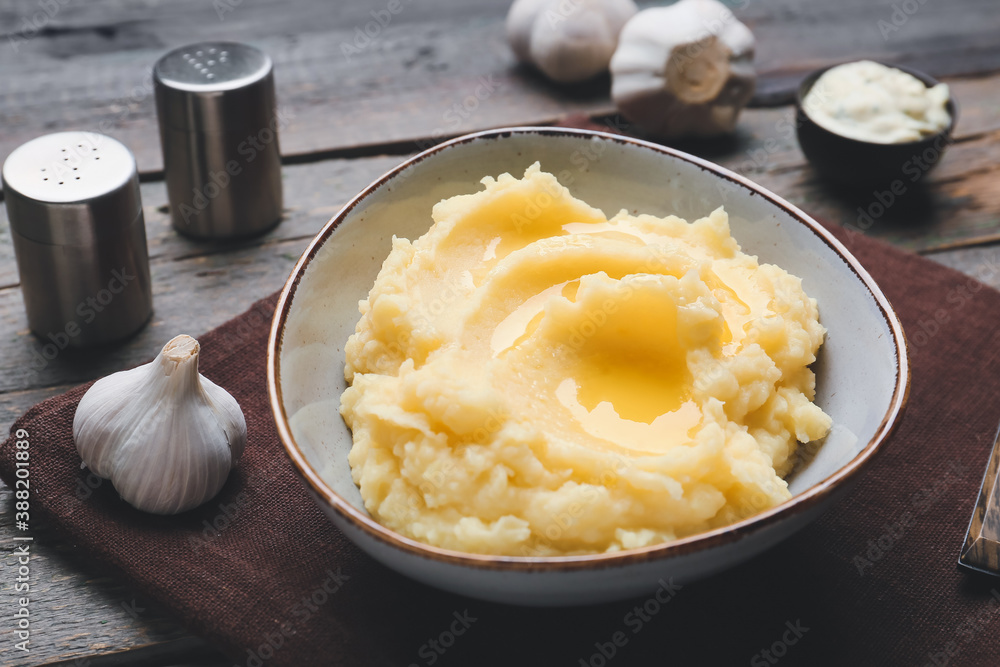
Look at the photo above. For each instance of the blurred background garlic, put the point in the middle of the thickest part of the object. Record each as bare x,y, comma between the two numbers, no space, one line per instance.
165,435
684,70
567,40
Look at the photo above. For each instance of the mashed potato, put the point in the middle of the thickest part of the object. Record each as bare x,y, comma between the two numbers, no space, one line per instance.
531,378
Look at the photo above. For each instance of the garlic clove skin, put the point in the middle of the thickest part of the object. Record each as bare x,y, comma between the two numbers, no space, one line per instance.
684,70
165,435
569,41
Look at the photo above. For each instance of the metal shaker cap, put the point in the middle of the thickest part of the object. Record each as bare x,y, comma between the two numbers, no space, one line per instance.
215,87
70,188
76,223
218,120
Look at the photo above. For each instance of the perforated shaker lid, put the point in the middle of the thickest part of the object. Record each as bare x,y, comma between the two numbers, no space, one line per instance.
215,87
70,188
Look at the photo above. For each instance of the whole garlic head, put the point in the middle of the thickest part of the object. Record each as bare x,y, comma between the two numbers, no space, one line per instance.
568,40
686,69
165,435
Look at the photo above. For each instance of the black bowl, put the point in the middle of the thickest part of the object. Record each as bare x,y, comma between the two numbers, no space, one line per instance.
855,162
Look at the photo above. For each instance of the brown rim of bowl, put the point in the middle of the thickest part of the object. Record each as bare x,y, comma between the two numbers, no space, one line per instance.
687,545
810,80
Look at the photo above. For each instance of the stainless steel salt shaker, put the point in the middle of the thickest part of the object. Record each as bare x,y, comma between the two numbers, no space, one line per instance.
219,131
79,236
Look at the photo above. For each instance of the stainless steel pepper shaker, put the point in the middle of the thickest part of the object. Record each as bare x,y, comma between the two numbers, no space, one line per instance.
79,236
219,132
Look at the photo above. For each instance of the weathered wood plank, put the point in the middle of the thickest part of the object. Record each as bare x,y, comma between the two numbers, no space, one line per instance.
405,84
958,205
80,610
795,37
226,278
309,202
436,69
196,286
13,404
982,263
190,296
764,144
77,607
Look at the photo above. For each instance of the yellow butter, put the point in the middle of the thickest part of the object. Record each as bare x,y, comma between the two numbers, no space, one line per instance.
532,378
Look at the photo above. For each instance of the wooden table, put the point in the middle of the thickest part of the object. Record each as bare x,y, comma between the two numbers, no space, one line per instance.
86,65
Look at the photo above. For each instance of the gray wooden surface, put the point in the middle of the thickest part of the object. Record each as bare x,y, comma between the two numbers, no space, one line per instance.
88,66
350,122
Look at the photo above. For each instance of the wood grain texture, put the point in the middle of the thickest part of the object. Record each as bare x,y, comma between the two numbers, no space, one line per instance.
957,205
88,65
438,68
198,286
78,607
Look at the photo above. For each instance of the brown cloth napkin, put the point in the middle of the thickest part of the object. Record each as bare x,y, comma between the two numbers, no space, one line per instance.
261,572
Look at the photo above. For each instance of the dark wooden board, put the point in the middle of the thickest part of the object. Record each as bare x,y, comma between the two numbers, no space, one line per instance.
959,205
390,99
88,67
79,608
956,205
199,286
764,149
196,286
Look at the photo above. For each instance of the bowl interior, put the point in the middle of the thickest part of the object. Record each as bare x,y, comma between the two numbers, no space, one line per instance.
858,372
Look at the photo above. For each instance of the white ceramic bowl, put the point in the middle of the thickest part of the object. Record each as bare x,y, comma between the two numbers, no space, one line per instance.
862,367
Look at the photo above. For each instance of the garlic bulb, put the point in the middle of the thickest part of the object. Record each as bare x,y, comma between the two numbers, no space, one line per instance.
568,40
686,69
164,435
